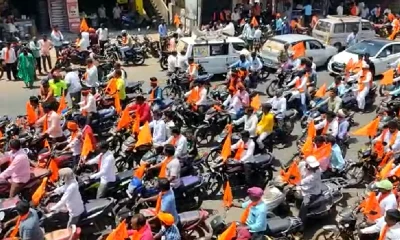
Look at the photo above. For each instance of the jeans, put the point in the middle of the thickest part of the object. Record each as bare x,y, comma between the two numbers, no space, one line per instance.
303,103
123,50
48,59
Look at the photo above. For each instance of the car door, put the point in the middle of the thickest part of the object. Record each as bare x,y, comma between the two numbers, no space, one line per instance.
218,56
383,58
367,31
201,55
316,50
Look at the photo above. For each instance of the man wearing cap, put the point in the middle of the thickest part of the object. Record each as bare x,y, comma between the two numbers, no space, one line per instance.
364,85
71,197
27,222
255,215
386,198
155,95
168,229
310,184
387,227
88,105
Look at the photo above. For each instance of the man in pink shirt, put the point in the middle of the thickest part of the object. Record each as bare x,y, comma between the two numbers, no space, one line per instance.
141,228
18,172
45,46
51,122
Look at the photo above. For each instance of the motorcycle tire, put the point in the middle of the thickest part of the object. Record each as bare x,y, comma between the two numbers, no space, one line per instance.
172,92
214,185
288,127
326,234
211,156
197,232
164,63
203,135
271,88
382,90
355,175
139,59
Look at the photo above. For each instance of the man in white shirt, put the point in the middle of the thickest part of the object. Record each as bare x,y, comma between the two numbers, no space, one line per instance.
74,142
173,171
233,104
159,129
52,121
339,9
235,16
74,86
179,31
202,92
386,198
117,66
117,15
245,154
84,43
169,122
182,61
387,227
365,83
178,141
310,184
330,125
172,63
101,11
105,161
250,120
300,87
390,137
278,103
57,39
102,32
71,197
91,76
352,38
9,57
88,105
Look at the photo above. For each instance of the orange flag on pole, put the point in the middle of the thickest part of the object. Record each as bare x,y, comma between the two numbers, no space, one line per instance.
292,174
139,172
125,119
228,197
226,148
63,104
117,103
54,171
311,131
368,130
387,77
136,124
321,91
308,147
144,136
384,173
229,233
256,102
84,26
370,207
39,193
87,146
299,50
254,22
119,233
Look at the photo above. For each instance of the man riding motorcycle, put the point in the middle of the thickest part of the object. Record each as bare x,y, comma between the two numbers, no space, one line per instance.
337,162
126,43
178,141
300,86
159,129
310,184
343,125
51,124
156,97
265,126
250,120
339,85
330,125
233,104
386,198
365,83
386,227
278,103
255,68
390,137
331,103
244,152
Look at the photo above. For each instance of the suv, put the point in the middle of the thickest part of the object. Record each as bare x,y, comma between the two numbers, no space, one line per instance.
335,29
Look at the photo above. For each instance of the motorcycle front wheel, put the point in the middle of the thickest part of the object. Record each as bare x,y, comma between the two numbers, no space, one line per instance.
172,92
272,88
355,174
164,63
139,59
324,234
203,134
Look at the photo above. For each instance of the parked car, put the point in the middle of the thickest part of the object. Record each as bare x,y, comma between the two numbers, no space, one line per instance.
320,52
381,51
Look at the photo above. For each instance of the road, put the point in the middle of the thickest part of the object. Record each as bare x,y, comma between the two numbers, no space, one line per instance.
13,97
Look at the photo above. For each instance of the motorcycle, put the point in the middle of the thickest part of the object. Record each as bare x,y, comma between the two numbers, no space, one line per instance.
349,99
163,59
282,78
233,171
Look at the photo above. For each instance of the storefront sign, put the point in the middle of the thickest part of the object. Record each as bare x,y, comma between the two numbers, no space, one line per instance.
73,15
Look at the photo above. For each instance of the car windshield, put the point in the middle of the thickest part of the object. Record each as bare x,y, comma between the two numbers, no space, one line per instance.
273,45
323,26
371,47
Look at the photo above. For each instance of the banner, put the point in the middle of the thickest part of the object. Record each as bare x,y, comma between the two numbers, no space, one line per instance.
73,15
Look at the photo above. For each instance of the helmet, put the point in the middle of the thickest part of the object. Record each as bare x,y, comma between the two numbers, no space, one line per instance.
123,31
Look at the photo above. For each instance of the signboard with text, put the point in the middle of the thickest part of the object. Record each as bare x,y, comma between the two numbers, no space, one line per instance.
73,15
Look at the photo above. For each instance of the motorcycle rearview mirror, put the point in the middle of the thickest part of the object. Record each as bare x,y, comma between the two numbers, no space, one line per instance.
2,216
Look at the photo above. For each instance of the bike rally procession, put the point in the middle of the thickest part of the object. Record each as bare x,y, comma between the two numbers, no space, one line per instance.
256,125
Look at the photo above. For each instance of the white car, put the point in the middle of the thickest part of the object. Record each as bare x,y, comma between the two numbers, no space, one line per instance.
382,52
271,49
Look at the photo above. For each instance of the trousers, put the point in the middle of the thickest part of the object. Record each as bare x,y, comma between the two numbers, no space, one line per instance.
361,98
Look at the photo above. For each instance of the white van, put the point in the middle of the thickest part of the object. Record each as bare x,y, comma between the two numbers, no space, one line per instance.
214,53
335,29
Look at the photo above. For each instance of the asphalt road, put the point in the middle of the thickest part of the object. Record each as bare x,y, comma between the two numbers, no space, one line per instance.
13,96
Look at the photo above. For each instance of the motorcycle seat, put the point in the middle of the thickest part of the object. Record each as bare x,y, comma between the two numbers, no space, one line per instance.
106,113
262,158
95,205
124,175
62,234
277,224
289,113
190,181
134,84
39,172
188,218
